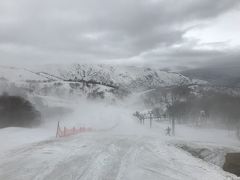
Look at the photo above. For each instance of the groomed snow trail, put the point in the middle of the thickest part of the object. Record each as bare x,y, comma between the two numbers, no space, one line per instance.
105,156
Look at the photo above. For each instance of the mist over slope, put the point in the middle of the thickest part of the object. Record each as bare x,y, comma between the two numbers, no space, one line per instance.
91,81
105,98
53,88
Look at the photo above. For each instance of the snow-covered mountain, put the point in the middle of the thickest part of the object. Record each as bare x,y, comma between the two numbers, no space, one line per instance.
130,77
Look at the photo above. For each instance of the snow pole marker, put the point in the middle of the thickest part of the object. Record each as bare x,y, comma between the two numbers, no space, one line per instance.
57,129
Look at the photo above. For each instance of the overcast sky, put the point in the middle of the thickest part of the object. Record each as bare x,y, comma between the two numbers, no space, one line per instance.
157,32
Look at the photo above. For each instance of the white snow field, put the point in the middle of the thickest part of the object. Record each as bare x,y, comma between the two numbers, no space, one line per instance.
128,151
119,149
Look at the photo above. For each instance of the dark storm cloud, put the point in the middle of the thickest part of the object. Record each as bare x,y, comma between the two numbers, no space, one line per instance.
185,58
77,30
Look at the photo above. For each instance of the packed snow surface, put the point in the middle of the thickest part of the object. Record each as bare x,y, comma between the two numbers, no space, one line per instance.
104,156
121,152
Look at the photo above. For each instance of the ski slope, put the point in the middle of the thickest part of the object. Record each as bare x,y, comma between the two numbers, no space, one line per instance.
106,155
120,149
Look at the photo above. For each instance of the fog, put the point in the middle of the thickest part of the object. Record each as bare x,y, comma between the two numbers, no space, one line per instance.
112,114
119,89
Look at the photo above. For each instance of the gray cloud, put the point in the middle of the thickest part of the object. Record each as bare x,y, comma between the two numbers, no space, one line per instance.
77,30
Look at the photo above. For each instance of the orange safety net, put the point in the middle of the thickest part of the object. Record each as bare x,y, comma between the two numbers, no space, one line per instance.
71,131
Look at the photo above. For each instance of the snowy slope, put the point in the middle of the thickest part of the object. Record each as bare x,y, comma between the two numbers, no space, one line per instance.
127,151
126,76
15,74
105,156
60,80
119,149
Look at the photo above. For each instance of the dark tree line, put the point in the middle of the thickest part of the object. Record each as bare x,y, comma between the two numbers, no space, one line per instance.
15,111
188,104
